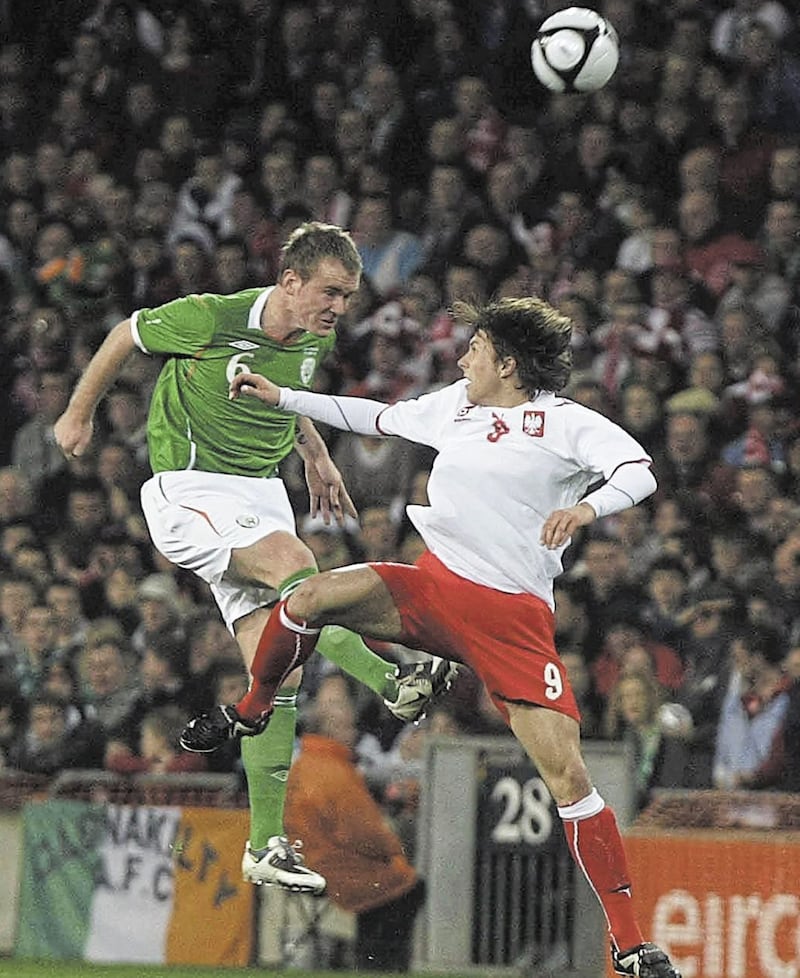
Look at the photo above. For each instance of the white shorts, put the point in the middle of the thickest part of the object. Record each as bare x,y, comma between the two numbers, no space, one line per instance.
196,519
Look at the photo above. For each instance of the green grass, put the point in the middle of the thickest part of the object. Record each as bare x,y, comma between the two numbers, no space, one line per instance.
14,968
80,969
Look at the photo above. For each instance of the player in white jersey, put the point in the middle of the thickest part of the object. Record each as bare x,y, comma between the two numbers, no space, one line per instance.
217,506
507,489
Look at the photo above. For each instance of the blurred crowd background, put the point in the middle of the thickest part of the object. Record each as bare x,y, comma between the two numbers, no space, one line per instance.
153,149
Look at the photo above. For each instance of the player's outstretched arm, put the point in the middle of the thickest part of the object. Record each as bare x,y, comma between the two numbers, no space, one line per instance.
358,414
255,385
73,430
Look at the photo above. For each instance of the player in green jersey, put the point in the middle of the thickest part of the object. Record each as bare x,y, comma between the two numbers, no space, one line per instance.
216,504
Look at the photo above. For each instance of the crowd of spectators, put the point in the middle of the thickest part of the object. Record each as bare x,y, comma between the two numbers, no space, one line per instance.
152,149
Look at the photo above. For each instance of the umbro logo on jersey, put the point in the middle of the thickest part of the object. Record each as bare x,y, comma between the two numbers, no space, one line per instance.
533,423
463,413
243,345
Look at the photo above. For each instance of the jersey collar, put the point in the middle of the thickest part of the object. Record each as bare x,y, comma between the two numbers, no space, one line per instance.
254,316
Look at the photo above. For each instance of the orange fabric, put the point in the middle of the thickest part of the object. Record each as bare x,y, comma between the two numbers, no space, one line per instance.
721,903
212,909
345,835
51,270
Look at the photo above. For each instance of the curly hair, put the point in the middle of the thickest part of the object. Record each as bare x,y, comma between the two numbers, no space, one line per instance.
530,331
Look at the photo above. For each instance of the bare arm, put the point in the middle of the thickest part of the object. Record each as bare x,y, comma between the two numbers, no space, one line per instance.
308,442
73,430
326,488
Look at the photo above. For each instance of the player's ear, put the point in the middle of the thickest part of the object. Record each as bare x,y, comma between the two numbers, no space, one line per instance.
290,280
507,366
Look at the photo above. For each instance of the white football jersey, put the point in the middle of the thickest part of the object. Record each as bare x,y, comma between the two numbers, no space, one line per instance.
498,475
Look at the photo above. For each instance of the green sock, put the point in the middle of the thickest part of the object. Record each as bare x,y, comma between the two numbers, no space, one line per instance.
266,758
348,651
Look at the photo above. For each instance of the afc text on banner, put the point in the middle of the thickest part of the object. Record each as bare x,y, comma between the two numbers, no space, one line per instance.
134,884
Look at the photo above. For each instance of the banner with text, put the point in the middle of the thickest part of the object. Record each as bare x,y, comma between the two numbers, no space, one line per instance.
723,905
125,883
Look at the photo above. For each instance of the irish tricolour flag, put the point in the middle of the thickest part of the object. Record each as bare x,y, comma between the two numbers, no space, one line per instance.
134,884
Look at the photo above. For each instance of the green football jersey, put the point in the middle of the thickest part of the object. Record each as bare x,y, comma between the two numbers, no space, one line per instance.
207,340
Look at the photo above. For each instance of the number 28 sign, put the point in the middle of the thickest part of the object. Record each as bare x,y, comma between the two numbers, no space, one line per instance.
516,809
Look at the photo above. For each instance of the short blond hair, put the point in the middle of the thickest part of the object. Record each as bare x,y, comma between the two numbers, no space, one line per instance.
313,242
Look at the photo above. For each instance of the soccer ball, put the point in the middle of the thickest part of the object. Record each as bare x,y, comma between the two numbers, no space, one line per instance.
575,50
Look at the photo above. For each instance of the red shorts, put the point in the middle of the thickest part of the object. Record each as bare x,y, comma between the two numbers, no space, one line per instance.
507,639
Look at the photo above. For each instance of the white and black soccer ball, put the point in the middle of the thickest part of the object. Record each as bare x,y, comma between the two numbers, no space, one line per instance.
575,50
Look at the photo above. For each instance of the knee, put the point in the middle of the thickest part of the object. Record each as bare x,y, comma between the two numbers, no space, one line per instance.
575,784
306,601
569,781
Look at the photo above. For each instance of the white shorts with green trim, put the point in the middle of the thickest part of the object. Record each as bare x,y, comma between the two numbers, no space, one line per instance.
196,519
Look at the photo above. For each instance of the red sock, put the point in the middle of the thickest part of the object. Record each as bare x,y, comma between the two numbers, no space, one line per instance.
284,645
596,846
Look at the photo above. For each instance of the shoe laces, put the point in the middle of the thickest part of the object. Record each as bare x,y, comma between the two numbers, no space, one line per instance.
412,676
291,851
